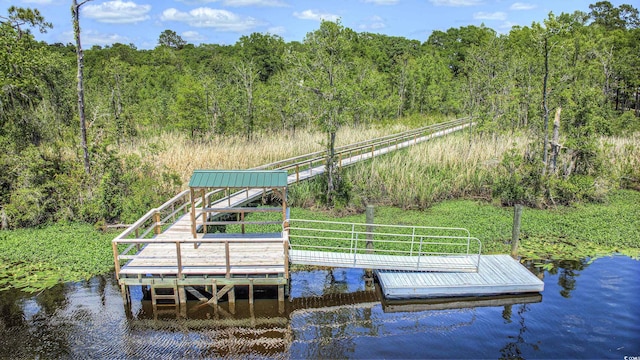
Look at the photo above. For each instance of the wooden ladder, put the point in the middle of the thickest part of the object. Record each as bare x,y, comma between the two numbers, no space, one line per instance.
155,296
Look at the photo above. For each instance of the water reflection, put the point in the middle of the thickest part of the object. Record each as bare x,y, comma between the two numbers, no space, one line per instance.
587,310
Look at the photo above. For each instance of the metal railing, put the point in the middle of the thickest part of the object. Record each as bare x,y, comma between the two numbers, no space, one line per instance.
379,239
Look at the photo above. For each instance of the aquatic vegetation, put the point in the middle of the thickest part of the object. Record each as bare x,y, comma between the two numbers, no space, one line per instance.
35,259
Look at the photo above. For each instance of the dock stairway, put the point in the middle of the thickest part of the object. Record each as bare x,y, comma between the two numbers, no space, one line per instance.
383,247
168,292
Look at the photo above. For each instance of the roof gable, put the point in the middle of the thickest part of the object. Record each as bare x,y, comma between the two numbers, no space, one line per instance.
238,179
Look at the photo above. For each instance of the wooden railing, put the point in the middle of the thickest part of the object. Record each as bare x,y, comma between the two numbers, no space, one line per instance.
398,140
127,254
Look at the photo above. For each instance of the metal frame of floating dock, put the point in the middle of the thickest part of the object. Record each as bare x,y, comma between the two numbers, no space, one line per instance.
497,274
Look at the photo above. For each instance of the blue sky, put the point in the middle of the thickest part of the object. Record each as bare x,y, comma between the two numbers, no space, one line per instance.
224,21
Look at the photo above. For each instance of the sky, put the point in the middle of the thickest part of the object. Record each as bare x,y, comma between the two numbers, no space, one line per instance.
140,22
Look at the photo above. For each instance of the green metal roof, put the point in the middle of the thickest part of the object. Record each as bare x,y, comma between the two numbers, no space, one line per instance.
238,178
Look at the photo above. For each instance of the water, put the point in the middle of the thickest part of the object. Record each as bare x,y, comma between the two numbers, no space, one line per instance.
586,311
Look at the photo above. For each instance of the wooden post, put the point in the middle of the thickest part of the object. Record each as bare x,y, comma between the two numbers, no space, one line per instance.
285,244
179,258
242,220
193,214
227,259
116,260
214,292
251,291
156,219
284,204
297,173
515,234
370,228
231,297
369,245
205,214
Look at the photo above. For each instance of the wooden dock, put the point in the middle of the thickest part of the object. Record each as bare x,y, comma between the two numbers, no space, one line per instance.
497,274
248,254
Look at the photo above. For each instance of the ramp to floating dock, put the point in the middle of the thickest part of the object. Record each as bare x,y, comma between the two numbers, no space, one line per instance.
497,274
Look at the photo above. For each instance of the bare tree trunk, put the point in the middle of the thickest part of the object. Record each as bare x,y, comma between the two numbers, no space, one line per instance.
555,146
637,101
75,12
545,106
331,157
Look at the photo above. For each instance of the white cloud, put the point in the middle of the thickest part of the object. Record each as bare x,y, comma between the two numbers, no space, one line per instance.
315,15
239,3
193,36
263,3
455,3
277,30
373,23
116,12
222,20
382,2
92,37
499,15
507,25
196,2
522,6
39,2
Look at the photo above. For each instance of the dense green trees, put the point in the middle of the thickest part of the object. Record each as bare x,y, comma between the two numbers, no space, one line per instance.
584,67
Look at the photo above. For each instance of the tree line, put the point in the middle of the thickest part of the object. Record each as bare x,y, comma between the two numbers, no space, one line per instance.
579,71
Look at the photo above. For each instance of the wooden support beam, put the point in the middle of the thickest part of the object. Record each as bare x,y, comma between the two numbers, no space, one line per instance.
218,294
179,259
214,293
280,293
195,293
204,214
251,291
227,259
126,298
193,214
116,260
182,295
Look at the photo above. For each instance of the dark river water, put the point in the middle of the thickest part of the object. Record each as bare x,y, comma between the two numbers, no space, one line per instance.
586,311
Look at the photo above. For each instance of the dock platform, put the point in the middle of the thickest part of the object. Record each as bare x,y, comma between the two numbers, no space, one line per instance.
497,274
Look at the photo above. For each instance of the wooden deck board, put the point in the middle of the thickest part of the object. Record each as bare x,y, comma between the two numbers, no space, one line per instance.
498,274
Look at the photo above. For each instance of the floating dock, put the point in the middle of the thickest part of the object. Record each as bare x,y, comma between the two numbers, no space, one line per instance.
497,274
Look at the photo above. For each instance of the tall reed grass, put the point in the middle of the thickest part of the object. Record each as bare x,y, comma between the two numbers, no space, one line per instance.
455,167
449,167
180,154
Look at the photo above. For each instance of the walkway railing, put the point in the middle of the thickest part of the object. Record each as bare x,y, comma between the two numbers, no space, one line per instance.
396,141
383,246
